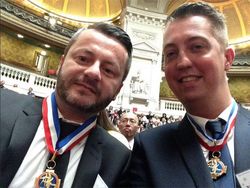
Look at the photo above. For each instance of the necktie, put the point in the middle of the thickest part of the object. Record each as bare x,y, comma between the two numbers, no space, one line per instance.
63,160
61,166
227,180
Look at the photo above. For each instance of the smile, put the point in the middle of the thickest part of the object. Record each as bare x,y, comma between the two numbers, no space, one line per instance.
189,78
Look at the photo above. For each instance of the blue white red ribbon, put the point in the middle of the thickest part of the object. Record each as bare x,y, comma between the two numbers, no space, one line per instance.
207,141
52,128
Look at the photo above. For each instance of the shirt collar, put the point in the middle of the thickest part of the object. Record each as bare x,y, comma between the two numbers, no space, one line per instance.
60,116
224,115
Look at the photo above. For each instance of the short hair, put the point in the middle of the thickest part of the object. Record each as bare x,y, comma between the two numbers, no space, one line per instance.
216,18
112,31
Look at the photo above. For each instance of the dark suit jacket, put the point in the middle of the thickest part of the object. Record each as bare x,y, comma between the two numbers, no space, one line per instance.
170,156
20,117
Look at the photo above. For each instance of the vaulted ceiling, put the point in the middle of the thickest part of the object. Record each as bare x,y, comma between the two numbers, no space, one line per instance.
79,12
236,12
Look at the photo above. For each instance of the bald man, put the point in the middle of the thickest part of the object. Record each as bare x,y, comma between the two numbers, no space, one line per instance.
129,126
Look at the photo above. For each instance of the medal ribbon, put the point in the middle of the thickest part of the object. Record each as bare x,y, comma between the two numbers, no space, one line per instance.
207,141
52,128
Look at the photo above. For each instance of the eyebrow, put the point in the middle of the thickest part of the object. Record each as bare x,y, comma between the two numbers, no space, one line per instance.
193,38
170,45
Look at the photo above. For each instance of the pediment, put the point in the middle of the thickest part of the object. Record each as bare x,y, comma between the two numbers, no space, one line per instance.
144,46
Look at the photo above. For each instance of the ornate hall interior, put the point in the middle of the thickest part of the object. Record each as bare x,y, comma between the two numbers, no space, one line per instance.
34,34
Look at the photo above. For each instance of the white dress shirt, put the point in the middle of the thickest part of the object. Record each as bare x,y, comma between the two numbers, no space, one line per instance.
224,115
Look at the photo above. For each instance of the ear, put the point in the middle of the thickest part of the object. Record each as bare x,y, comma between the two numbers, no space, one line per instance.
60,64
117,91
229,54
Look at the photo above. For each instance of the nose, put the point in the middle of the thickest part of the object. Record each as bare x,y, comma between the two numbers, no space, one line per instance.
184,61
93,71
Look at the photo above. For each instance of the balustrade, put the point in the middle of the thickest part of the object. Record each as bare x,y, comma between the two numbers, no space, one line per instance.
21,80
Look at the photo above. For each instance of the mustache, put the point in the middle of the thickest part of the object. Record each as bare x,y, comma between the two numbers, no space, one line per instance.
88,82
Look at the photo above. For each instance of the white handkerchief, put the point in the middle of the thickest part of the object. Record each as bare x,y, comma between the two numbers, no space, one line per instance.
244,179
99,183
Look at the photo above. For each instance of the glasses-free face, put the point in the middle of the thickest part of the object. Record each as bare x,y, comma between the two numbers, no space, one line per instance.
195,61
90,75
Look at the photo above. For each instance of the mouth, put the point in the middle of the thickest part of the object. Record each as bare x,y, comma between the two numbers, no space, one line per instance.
87,87
189,79
127,129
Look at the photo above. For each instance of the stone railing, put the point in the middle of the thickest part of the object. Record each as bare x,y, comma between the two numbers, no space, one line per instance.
21,80
172,107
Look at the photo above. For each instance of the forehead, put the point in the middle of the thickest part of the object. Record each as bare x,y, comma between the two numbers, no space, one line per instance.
129,116
187,27
95,36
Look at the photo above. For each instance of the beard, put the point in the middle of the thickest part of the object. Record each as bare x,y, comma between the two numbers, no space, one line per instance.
68,98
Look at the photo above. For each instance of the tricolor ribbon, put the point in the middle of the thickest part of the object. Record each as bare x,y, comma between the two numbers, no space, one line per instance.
52,128
207,141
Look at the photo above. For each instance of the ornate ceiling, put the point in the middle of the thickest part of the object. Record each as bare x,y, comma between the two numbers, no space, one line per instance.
73,14
236,13
80,12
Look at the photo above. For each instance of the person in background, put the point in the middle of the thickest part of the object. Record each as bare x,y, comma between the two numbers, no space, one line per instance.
210,146
2,82
107,124
30,92
58,142
129,126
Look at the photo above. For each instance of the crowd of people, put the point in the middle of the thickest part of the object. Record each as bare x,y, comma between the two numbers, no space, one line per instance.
146,120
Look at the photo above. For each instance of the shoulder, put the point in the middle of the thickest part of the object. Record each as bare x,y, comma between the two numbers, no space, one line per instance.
119,137
160,131
244,112
11,98
110,143
13,103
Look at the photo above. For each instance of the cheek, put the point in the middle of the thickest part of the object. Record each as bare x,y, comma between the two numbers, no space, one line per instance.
169,74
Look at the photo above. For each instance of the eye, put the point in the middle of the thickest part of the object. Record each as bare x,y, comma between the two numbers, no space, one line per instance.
82,58
170,55
132,121
123,120
108,71
198,47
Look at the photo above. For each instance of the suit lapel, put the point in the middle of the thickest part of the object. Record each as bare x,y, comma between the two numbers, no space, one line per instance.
242,140
90,162
22,135
192,154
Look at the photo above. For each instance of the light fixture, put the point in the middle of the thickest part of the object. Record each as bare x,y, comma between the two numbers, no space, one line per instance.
20,36
43,53
47,46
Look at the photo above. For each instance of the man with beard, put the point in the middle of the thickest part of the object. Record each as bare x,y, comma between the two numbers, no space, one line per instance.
58,142
129,126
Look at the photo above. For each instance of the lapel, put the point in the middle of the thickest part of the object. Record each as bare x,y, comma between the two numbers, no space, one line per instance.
242,140
90,162
21,137
192,154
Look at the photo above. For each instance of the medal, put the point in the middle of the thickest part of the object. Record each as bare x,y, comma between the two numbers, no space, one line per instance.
216,167
48,179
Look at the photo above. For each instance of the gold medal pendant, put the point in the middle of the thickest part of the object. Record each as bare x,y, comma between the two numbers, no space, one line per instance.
216,167
48,179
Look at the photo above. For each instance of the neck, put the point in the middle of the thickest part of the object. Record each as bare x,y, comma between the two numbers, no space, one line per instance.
130,138
209,109
71,113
